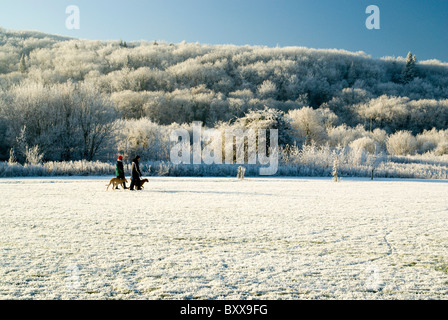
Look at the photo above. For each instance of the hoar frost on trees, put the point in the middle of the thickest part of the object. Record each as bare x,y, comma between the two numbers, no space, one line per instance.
59,87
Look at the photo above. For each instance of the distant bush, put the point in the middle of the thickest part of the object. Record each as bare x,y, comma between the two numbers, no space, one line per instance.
441,149
402,143
365,144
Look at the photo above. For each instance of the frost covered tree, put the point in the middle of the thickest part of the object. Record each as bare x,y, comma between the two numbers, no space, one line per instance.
410,69
145,138
268,118
335,171
95,117
267,90
21,144
4,146
130,104
67,121
12,157
22,64
402,143
308,126
365,144
33,155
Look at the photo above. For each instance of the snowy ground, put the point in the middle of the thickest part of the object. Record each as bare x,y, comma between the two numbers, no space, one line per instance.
219,238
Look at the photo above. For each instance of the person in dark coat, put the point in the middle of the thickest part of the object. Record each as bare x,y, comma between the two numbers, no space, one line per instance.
119,170
136,174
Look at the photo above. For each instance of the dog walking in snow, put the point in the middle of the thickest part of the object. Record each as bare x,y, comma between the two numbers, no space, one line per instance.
142,182
136,181
115,182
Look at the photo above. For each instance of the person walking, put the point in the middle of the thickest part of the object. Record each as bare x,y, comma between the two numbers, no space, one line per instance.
119,170
136,174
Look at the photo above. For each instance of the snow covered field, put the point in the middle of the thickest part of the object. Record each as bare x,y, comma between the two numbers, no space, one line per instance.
219,238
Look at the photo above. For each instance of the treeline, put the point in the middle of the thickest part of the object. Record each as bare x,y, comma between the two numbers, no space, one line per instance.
80,99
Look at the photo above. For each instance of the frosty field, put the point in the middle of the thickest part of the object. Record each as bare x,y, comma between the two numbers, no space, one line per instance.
219,238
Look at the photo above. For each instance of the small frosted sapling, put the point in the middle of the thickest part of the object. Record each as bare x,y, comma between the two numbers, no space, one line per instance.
241,172
335,169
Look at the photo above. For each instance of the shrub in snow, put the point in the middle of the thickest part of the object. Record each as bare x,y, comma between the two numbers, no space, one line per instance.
335,169
402,143
241,172
365,144
145,138
308,126
33,155
432,141
442,149
268,118
12,157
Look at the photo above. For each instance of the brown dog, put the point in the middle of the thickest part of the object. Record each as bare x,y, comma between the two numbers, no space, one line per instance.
142,182
115,182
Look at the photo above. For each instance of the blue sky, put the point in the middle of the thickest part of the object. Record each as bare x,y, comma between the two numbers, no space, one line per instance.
420,26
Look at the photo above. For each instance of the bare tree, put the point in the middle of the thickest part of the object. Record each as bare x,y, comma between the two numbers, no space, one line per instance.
96,117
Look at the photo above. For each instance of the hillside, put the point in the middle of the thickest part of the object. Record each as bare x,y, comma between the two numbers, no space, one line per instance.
180,83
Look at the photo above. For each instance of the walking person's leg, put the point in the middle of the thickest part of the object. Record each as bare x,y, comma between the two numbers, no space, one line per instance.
124,182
